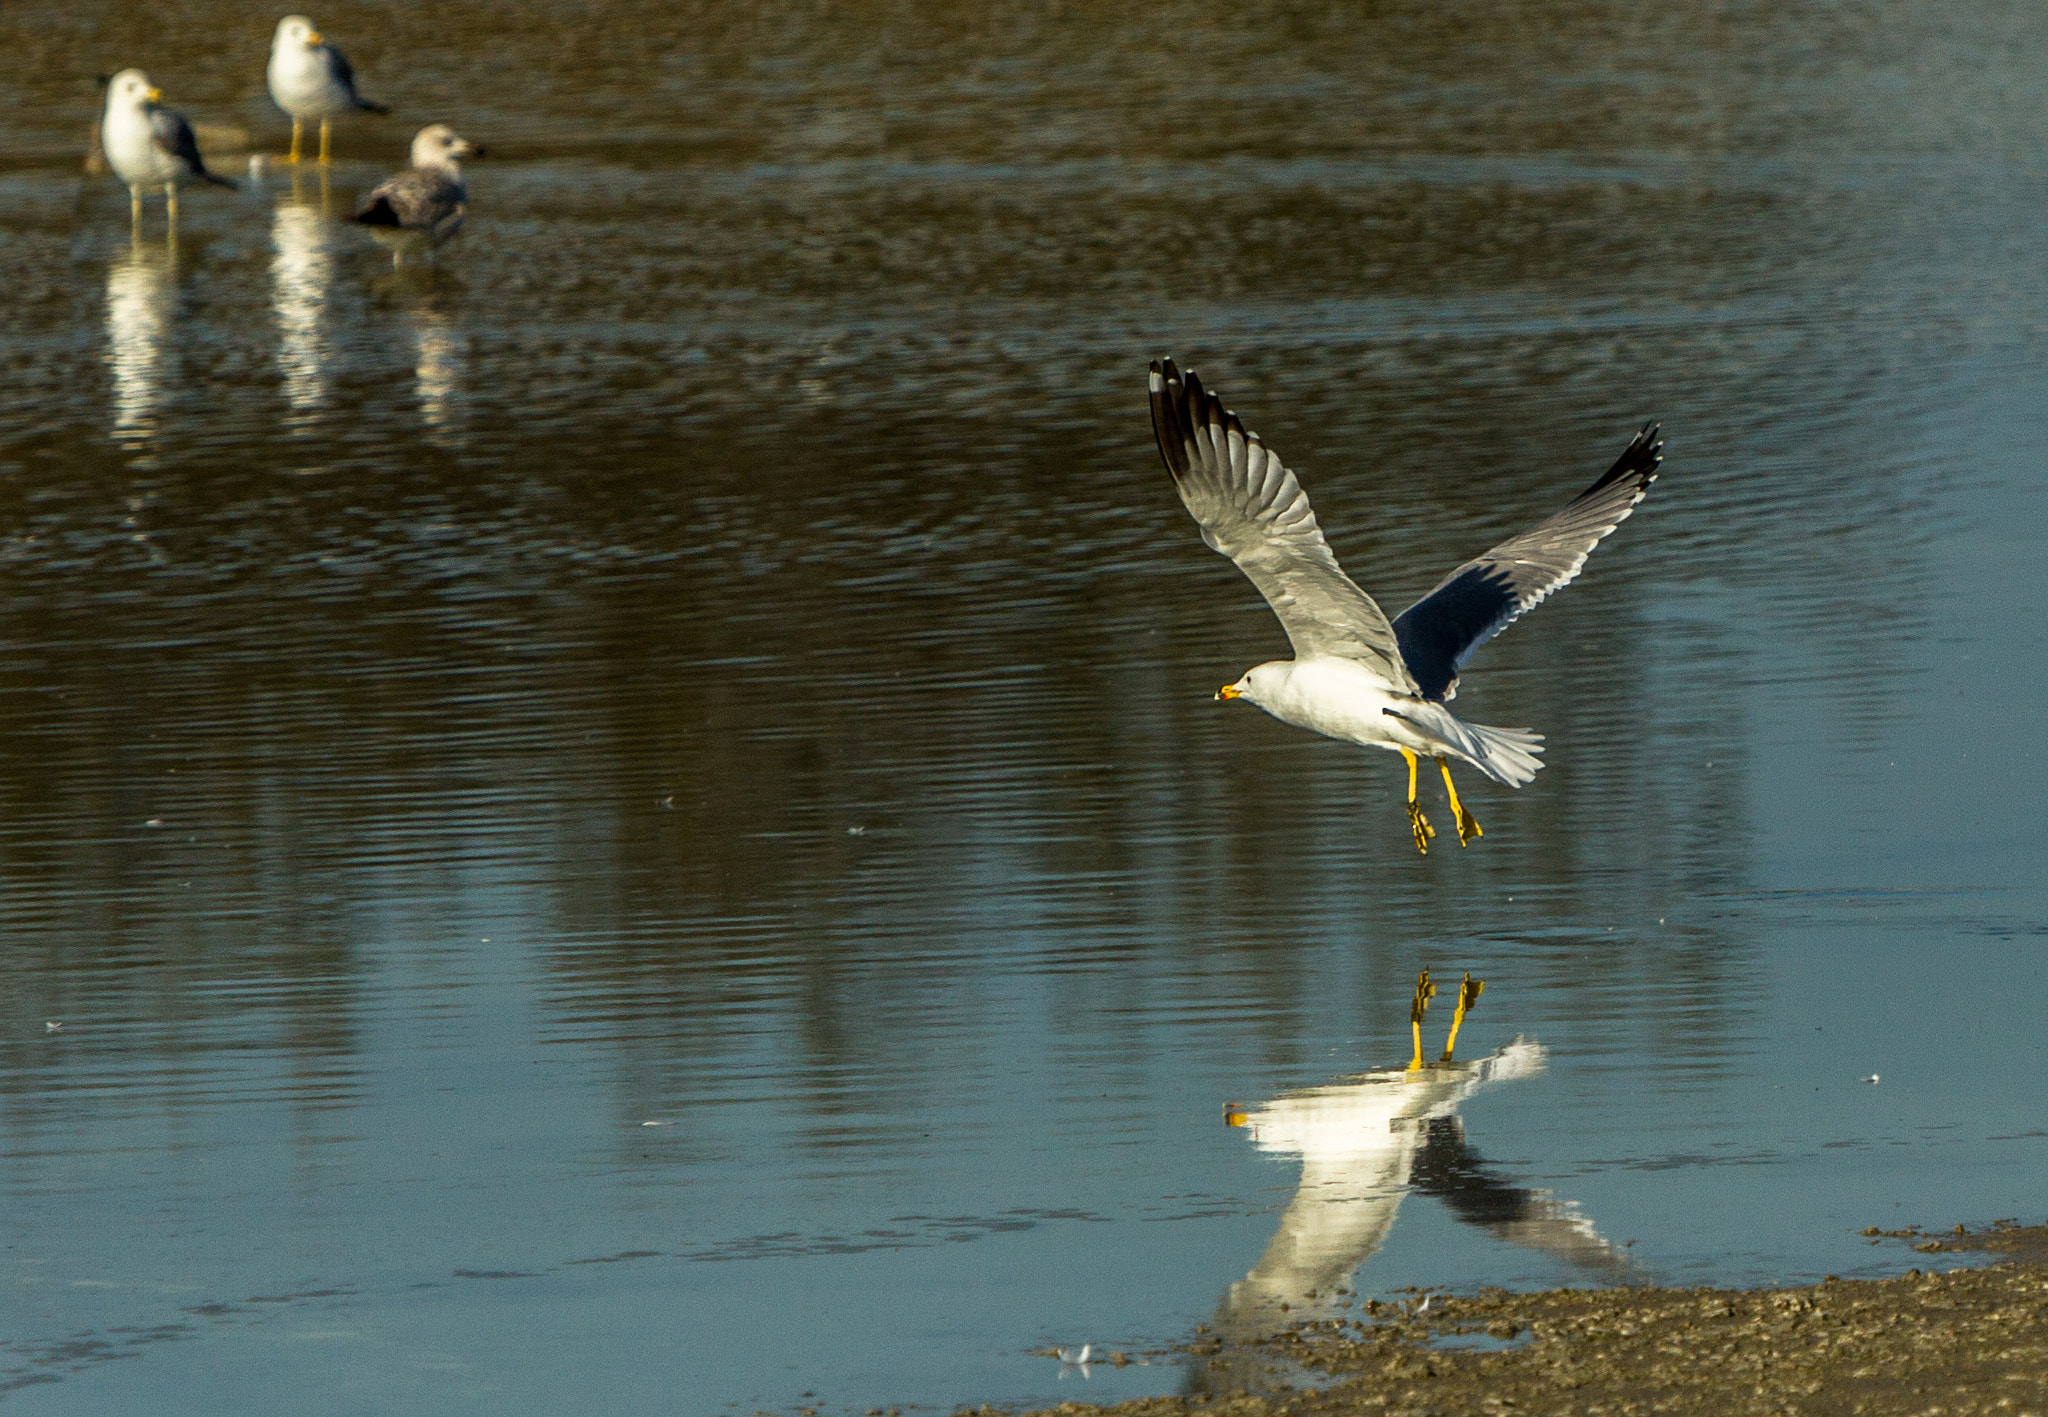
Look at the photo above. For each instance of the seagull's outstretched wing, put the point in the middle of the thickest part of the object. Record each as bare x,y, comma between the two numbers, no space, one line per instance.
1253,511
170,134
1439,632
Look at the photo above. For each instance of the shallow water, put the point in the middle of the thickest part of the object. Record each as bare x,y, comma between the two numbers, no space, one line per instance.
638,821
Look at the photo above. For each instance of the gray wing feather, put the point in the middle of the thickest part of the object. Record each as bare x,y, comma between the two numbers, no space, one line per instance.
1252,509
1439,632
422,199
340,70
171,134
344,74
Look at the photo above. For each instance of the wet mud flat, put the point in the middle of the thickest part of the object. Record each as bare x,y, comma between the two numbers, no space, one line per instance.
1965,1340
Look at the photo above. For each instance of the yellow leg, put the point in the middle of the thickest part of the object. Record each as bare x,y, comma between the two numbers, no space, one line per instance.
171,203
298,131
1468,825
1417,823
1468,995
1424,992
325,126
135,209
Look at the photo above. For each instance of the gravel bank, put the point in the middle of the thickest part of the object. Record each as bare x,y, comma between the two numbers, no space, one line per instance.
1959,1341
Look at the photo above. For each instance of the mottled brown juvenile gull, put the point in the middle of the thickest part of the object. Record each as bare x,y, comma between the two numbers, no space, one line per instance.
149,145
310,78
420,208
1355,676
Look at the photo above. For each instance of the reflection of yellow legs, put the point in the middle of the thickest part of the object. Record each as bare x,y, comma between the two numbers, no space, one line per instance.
1418,823
1424,992
326,191
298,131
1468,825
1468,995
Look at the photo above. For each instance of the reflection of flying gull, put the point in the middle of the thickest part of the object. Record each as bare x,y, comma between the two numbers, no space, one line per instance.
149,145
424,206
1355,676
310,78
1367,1141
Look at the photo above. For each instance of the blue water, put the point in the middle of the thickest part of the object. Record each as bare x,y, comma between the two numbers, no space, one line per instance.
638,821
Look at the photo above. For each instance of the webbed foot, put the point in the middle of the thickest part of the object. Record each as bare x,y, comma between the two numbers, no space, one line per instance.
1419,824
1468,825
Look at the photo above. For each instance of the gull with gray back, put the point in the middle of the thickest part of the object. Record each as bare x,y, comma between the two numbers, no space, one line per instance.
310,78
149,145
1357,676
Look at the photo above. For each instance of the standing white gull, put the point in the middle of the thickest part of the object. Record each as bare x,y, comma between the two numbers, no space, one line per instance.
310,78
1355,676
149,145
421,208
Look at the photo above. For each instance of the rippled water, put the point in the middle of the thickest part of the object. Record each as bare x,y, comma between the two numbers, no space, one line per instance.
637,822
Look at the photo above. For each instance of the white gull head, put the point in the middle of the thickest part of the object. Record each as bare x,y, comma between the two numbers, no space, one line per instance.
130,89
439,146
1261,684
294,32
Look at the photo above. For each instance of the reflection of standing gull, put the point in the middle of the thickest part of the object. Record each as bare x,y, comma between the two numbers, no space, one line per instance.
149,145
422,207
310,78
1355,675
437,376
1365,1143
301,268
140,290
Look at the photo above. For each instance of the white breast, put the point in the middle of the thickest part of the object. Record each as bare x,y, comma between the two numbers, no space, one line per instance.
303,84
1338,698
131,150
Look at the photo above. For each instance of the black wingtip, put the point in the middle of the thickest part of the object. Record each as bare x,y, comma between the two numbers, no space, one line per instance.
219,181
1180,408
377,212
369,106
1170,428
1639,460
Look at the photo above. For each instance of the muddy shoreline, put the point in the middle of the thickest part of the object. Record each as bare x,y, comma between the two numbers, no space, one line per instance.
1968,1339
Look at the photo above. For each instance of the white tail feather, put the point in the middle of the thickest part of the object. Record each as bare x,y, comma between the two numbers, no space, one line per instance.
1509,754
1506,755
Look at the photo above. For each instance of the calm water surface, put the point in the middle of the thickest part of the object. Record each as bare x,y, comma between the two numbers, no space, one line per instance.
637,823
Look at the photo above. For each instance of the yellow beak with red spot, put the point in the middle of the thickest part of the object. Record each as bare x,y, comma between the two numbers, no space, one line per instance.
1229,691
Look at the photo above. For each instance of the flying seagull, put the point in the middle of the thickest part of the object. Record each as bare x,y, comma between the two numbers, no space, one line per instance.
310,78
423,206
149,145
1355,676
